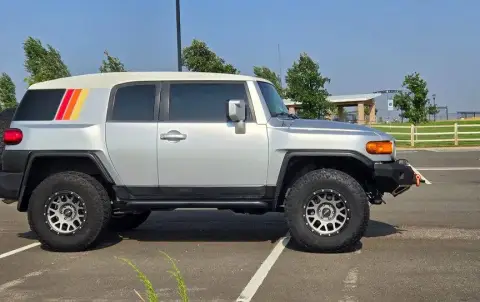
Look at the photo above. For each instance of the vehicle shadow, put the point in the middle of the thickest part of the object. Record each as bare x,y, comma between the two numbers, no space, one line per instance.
381,229
375,229
215,226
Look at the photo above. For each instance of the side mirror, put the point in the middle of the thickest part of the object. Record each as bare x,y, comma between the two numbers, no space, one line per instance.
236,113
236,110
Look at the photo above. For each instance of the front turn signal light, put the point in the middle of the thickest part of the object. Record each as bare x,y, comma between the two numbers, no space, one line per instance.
381,147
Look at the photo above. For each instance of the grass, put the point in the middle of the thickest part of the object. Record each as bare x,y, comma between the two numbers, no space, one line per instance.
404,133
149,289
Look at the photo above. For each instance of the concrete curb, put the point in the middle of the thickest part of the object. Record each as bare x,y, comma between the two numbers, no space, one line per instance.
477,148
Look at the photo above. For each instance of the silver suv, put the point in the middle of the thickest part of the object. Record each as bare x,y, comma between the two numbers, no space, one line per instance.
90,153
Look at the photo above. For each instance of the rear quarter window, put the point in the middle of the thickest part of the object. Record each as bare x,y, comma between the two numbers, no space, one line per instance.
39,105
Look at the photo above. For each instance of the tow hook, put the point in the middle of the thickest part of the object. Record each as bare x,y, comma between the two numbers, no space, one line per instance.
418,179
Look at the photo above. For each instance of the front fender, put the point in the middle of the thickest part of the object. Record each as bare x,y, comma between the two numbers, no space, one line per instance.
364,161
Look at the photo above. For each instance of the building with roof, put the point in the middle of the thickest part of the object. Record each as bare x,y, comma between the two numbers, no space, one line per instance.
364,103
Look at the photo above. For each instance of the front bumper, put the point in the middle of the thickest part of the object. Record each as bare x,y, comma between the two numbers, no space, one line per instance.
10,184
395,177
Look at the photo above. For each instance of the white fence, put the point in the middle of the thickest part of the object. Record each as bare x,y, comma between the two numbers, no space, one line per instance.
415,134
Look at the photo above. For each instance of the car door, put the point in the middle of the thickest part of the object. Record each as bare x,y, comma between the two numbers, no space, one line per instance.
131,135
199,153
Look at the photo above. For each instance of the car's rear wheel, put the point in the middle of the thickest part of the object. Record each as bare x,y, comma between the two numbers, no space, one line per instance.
129,221
327,210
68,211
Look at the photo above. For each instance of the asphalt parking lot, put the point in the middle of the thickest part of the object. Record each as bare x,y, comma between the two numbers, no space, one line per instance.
421,246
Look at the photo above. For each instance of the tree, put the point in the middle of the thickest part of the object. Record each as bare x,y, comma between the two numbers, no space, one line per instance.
306,86
42,63
267,74
414,103
7,92
198,57
112,64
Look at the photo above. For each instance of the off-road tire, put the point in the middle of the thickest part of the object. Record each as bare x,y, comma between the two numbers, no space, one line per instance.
298,198
97,205
128,221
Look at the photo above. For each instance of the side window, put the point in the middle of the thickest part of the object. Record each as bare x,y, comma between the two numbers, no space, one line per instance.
204,102
39,105
134,103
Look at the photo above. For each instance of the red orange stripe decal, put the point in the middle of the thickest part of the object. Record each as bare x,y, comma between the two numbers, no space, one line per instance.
71,104
79,105
64,104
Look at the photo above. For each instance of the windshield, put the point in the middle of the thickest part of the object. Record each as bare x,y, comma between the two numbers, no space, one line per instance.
274,101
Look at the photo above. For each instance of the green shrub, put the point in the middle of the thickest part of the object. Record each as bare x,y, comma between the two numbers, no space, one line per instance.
150,291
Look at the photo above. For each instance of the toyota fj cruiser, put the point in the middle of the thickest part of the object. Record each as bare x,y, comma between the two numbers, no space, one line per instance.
95,152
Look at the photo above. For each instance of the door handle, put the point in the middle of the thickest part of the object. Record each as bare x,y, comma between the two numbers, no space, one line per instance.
173,135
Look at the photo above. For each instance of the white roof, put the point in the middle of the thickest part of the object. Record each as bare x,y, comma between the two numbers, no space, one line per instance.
353,97
348,98
110,79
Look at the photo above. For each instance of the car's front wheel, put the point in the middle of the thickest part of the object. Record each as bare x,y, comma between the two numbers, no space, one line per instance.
327,210
68,211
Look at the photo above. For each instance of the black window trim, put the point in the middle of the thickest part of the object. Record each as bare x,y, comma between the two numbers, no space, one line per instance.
165,97
159,85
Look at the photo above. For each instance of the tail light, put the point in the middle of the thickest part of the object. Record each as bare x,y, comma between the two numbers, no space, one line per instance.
12,136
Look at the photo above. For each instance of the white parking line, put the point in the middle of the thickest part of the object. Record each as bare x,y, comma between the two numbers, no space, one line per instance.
257,279
349,284
19,281
449,169
16,251
454,150
433,233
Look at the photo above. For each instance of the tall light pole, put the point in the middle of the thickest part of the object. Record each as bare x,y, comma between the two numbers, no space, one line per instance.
179,38
435,113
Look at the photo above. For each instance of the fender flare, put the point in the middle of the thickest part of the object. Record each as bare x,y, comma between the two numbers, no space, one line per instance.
21,206
367,162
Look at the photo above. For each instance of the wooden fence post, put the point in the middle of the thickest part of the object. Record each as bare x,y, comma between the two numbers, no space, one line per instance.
455,133
412,135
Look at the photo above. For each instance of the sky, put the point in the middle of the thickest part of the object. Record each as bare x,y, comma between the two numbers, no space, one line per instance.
362,46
